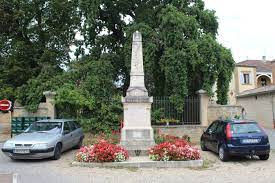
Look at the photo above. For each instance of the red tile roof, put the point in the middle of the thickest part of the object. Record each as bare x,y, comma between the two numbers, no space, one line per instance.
261,65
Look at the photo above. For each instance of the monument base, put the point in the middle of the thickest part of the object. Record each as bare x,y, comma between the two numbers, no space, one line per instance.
137,140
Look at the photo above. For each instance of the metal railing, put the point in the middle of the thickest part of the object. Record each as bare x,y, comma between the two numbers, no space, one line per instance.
164,111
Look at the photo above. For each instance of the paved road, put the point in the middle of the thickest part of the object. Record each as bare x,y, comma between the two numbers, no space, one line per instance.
49,171
271,135
1,128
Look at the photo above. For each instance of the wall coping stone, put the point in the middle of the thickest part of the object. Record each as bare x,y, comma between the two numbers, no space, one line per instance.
30,112
216,106
180,126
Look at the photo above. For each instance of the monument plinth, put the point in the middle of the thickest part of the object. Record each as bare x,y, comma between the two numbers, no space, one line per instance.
137,133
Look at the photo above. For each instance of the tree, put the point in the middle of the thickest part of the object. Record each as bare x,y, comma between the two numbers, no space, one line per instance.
181,53
33,35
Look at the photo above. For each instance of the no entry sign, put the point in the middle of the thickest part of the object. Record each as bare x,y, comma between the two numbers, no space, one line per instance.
5,105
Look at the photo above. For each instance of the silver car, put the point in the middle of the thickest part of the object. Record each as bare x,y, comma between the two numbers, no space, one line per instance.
44,139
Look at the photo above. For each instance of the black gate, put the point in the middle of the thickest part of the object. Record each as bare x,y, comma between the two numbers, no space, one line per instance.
164,112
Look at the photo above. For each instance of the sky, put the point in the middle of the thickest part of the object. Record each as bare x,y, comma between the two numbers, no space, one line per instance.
247,27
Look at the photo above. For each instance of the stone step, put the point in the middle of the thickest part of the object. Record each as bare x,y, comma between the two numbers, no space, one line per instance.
138,153
143,162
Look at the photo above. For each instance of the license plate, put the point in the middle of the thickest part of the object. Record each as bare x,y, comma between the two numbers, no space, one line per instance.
250,141
21,151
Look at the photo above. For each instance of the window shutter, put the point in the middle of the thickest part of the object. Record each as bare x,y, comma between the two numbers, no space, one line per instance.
251,78
241,78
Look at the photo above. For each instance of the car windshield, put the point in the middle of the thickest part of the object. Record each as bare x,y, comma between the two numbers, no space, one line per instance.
245,128
47,127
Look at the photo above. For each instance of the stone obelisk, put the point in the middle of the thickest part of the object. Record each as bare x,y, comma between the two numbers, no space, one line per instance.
137,133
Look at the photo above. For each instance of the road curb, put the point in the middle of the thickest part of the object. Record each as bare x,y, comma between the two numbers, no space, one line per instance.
143,164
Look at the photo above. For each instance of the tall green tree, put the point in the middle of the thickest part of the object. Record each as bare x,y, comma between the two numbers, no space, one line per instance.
181,53
34,34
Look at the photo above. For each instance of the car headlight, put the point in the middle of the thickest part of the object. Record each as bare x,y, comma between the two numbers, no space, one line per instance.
41,146
8,145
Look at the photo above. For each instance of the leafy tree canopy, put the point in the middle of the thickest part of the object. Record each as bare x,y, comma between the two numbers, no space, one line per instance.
34,34
181,53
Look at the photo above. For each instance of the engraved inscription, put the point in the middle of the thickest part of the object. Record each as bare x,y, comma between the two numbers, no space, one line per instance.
137,134
137,100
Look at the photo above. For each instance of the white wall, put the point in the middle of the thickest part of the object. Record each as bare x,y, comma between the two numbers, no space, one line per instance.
259,108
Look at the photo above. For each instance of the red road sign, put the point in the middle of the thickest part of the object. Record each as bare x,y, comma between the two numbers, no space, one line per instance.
5,105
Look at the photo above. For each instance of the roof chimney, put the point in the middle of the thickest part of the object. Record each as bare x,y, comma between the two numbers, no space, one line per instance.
264,58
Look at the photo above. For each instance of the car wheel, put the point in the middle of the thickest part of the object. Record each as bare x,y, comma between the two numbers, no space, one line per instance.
264,157
57,152
223,155
79,144
203,148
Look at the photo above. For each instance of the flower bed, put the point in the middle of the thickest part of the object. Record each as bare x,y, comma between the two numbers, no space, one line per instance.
160,138
112,138
102,152
174,150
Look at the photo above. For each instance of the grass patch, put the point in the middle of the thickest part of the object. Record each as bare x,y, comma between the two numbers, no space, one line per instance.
91,138
130,169
206,165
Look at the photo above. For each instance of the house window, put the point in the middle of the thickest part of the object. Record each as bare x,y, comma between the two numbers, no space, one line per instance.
246,78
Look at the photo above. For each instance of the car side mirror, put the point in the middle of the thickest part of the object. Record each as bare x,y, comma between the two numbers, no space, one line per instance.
65,132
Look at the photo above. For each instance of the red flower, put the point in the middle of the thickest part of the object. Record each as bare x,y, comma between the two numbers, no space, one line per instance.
101,152
176,150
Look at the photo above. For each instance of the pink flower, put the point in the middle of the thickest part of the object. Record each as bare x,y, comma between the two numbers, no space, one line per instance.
175,150
100,152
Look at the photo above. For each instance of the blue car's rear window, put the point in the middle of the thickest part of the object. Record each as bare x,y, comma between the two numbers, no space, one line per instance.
239,128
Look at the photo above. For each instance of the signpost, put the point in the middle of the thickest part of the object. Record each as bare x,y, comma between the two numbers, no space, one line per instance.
5,105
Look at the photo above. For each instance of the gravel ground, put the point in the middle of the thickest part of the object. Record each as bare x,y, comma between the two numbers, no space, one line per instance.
238,170
271,135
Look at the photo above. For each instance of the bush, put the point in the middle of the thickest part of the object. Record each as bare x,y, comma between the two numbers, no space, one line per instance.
111,137
102,152
178,150
160,138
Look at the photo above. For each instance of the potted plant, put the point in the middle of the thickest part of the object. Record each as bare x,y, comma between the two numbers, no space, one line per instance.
167,120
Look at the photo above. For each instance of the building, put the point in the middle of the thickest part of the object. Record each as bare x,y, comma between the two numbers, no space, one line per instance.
254,90
259,105
249,75
263,72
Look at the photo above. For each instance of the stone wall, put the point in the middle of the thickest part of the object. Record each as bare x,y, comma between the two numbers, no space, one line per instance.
193,131
19,111
5,125
259,107
223,111
46,109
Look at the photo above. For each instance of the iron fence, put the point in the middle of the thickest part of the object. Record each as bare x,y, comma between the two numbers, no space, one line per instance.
164,111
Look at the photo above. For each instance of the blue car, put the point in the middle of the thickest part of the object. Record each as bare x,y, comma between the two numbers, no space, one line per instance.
236,138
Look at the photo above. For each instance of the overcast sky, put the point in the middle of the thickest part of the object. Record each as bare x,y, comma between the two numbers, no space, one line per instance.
247,27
